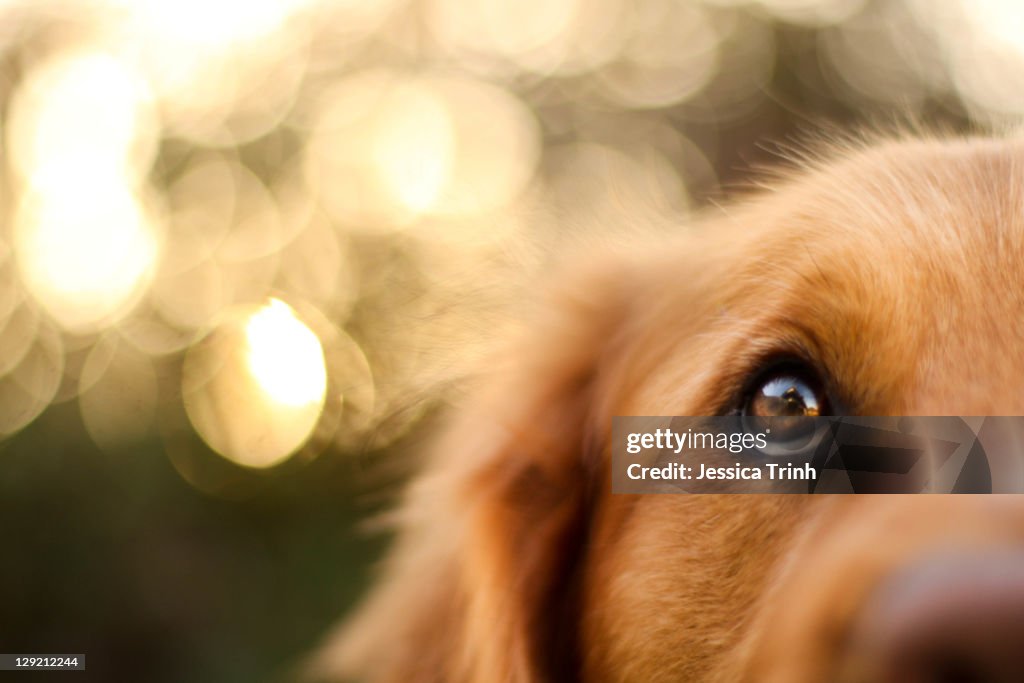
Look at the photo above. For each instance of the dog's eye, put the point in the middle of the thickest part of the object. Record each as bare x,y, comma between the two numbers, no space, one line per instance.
789,390
780,400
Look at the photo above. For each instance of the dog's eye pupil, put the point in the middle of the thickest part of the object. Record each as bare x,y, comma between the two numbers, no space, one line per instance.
786,394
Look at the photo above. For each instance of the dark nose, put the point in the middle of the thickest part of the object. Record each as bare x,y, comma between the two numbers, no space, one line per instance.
947,620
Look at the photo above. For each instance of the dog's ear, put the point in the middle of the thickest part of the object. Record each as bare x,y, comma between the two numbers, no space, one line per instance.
480,587
530,492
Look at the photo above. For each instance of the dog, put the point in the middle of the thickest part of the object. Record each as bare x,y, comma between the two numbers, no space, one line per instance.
881,279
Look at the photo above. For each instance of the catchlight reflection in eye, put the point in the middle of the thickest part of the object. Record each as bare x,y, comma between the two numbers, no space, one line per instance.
255,387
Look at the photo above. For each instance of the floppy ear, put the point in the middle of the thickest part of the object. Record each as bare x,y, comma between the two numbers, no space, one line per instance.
480,587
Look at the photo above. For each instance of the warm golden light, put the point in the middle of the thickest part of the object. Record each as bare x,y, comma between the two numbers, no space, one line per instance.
533,33
84,245
412,148
671,53
82,136
255,387
381,148
285,356
84,110
495,147
399,172
213,24
986,52
29,387
208,60
389,150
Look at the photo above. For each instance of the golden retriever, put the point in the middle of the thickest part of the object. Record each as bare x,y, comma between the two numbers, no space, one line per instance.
892,279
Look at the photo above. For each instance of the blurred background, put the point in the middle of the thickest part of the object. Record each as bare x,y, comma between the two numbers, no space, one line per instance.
249,249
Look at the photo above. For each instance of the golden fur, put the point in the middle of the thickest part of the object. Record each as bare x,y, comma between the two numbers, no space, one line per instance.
898,267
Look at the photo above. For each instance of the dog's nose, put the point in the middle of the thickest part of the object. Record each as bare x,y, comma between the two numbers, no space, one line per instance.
947,620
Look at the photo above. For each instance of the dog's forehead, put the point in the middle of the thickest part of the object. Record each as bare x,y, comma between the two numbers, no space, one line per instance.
914,272
900,271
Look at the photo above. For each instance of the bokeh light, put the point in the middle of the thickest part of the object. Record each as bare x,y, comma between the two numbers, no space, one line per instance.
85,245
399,172
273,334
208,62
84,110
29,387
387,149
532,33
82,137
670,54
255,386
